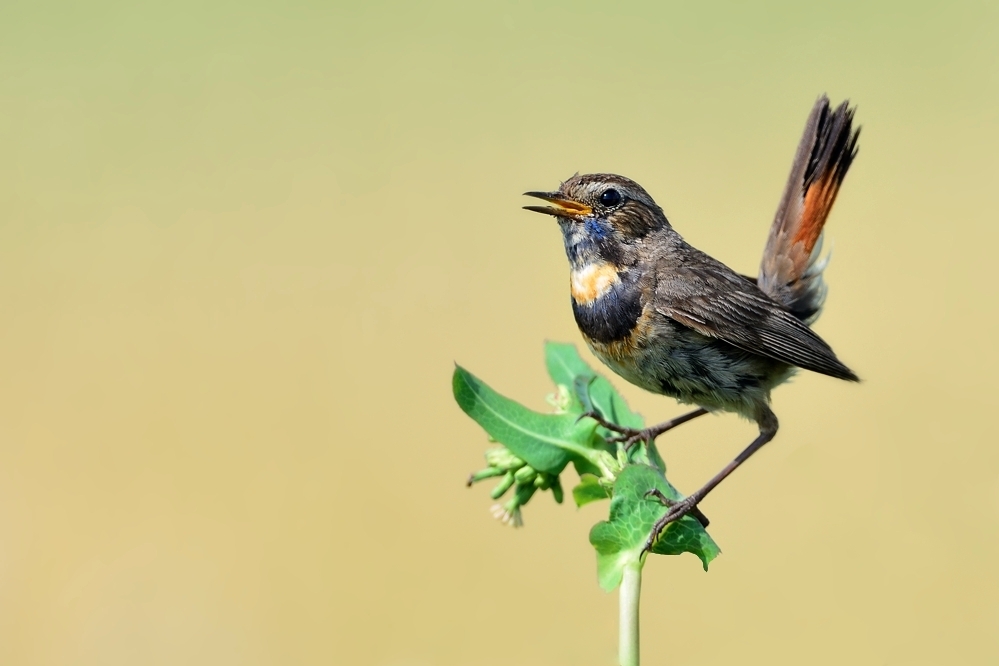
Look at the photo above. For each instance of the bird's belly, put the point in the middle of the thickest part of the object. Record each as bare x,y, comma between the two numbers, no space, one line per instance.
665,357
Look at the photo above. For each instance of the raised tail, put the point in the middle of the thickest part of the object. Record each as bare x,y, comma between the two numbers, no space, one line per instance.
791,270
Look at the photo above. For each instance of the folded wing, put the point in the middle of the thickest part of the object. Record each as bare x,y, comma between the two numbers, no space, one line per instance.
708,297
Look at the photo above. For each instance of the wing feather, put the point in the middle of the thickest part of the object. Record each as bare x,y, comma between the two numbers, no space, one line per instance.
708,297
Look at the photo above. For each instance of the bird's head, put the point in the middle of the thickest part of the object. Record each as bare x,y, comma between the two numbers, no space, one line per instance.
601,215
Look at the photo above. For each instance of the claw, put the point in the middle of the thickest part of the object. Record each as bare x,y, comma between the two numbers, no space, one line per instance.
599,418
677,510
658,494
647,548
629,438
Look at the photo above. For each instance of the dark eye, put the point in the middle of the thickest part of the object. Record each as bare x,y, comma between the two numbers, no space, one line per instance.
610,197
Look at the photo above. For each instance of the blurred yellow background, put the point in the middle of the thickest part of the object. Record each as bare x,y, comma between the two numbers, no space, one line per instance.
241,245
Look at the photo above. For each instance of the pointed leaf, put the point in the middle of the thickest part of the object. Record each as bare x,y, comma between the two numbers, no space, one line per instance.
564,363
566,367
547,442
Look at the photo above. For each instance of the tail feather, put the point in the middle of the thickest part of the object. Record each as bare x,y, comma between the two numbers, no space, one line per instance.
792,265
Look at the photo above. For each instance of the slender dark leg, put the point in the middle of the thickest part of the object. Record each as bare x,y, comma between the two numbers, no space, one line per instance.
768,428
629,436
694,511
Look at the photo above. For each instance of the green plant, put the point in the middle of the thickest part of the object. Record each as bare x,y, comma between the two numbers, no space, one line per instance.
534,449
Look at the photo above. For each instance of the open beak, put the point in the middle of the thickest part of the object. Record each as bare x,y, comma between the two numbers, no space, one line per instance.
562,207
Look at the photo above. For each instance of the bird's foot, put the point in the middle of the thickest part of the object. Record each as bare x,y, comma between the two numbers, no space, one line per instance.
626,436
630,436
677,510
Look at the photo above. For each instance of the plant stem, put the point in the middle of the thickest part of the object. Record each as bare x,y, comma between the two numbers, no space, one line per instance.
631,590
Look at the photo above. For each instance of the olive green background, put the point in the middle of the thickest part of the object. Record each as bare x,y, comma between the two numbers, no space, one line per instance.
242,244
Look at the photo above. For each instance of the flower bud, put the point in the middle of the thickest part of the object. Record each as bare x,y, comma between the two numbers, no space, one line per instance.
484,474
560,400
502,486
557,490
525,474
503,458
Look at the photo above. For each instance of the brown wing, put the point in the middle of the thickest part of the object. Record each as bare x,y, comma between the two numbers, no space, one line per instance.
706,296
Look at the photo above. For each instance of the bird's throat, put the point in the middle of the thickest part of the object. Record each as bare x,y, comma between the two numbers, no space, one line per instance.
606,301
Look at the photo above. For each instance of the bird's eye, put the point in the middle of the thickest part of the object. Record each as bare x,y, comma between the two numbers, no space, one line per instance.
610,197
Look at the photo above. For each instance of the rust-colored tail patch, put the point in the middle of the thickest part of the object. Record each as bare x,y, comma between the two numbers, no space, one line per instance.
833,152
819,200
791,270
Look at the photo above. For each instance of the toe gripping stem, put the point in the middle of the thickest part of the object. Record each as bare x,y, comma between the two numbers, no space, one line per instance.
682,508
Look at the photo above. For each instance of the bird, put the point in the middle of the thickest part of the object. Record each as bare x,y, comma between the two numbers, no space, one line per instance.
674,321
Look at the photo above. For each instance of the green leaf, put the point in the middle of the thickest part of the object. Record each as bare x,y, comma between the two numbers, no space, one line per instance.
589,490
584,466
564,363
593,391
567,368
619,540
547,442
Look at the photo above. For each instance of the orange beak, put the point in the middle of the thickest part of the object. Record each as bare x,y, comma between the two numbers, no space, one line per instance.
562,208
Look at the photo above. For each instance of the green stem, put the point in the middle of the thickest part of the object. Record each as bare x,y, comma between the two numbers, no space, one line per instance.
631,590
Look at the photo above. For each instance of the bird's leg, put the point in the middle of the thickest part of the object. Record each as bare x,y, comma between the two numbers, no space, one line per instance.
631,436
649,434
665,501
679,508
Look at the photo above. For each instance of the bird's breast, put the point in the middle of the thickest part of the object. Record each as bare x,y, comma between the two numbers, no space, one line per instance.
606,301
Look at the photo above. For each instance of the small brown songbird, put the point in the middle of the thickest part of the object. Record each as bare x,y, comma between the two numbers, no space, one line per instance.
674,321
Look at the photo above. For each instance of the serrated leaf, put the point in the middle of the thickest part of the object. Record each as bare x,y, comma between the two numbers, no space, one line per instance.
545,441
619,540
589,490
566,367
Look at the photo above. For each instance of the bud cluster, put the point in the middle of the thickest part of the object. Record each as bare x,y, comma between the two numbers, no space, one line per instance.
516,474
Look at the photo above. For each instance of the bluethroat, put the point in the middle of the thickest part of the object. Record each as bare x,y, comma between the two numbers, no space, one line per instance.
671,319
